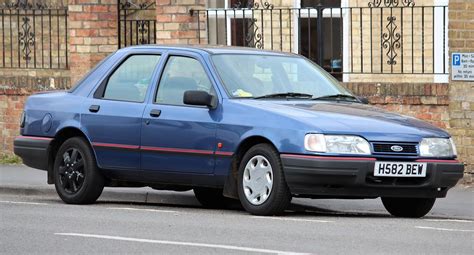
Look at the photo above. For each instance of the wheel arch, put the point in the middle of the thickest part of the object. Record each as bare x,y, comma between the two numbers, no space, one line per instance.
61,136
230,186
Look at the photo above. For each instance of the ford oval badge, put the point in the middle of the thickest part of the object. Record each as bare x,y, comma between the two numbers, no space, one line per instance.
396,148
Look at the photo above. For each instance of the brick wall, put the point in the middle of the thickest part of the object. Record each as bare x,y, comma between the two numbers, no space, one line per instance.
175,25
461,94
426,101
11,106
93,33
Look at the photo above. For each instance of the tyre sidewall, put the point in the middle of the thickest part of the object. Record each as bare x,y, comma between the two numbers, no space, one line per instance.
278,179
91,175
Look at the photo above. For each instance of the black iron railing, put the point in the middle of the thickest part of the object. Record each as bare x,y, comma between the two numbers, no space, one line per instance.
383,37
137,22
33,35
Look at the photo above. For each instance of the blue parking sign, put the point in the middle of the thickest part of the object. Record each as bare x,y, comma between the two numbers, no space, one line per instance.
456,59
462,66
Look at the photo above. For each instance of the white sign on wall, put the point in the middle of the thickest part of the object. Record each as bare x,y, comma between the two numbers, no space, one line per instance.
462,66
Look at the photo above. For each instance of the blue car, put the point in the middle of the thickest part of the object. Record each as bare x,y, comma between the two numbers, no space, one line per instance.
231,123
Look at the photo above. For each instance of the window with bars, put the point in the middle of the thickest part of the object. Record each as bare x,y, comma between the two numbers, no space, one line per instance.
346,38
231,27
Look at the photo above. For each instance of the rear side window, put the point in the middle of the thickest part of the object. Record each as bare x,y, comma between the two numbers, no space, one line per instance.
131,79
182,74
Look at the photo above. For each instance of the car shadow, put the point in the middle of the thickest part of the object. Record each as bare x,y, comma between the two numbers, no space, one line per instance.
187,200
183,201
309,210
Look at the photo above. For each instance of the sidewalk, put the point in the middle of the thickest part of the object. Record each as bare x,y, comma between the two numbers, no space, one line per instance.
20,180
24,181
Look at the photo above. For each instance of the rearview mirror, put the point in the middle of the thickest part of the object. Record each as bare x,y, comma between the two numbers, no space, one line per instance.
202,98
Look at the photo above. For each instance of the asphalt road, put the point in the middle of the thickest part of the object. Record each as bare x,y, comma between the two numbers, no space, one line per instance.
34,220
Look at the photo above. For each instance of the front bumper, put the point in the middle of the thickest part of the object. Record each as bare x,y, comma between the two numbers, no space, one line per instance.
33,150
340,177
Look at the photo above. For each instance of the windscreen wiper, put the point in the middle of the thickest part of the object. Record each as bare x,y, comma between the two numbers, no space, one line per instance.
336,97
286,95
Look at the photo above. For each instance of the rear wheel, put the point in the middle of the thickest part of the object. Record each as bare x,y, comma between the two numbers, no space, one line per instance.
212,198
262,187
76,176
408,207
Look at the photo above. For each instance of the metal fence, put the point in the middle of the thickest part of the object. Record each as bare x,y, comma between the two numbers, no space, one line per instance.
33,35
384,37
137,22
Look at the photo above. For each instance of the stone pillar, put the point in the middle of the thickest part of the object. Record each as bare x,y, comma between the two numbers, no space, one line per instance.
461,94
175,25
92,34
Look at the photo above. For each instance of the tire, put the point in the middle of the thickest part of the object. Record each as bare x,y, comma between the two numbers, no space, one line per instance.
212,198
408,207
76,176
261,165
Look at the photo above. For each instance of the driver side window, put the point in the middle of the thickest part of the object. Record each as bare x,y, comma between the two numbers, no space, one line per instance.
181,74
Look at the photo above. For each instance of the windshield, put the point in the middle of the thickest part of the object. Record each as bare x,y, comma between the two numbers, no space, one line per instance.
257,76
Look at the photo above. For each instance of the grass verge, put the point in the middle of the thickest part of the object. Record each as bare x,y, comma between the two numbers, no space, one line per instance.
9,159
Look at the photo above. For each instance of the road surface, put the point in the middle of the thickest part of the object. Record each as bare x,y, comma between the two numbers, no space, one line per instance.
34,220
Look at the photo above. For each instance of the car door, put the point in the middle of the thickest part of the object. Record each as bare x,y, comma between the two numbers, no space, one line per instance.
176,137
112,116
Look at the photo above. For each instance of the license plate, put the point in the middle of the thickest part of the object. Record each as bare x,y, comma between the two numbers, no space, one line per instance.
399,169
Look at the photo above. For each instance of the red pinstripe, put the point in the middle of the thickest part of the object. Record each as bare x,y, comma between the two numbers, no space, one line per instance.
324,157
163,149
148,148
363,159
114,145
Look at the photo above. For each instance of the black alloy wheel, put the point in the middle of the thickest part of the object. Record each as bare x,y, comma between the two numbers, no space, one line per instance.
77,178
71,171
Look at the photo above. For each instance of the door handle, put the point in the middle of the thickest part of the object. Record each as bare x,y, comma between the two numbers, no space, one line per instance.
94,108
155,113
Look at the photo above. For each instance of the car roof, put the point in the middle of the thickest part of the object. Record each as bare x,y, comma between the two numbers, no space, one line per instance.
209,49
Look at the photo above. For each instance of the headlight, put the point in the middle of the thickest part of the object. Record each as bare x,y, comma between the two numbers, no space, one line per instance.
340,144
437,147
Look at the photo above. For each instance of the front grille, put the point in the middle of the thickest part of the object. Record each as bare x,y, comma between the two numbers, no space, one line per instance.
387,148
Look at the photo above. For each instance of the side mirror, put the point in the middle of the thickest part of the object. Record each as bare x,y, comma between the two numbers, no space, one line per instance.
202,98
363,100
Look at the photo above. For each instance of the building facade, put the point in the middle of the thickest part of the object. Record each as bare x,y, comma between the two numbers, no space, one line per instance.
395,52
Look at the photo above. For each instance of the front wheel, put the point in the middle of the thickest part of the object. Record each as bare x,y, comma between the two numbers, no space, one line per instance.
408,207
76,176
262,188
